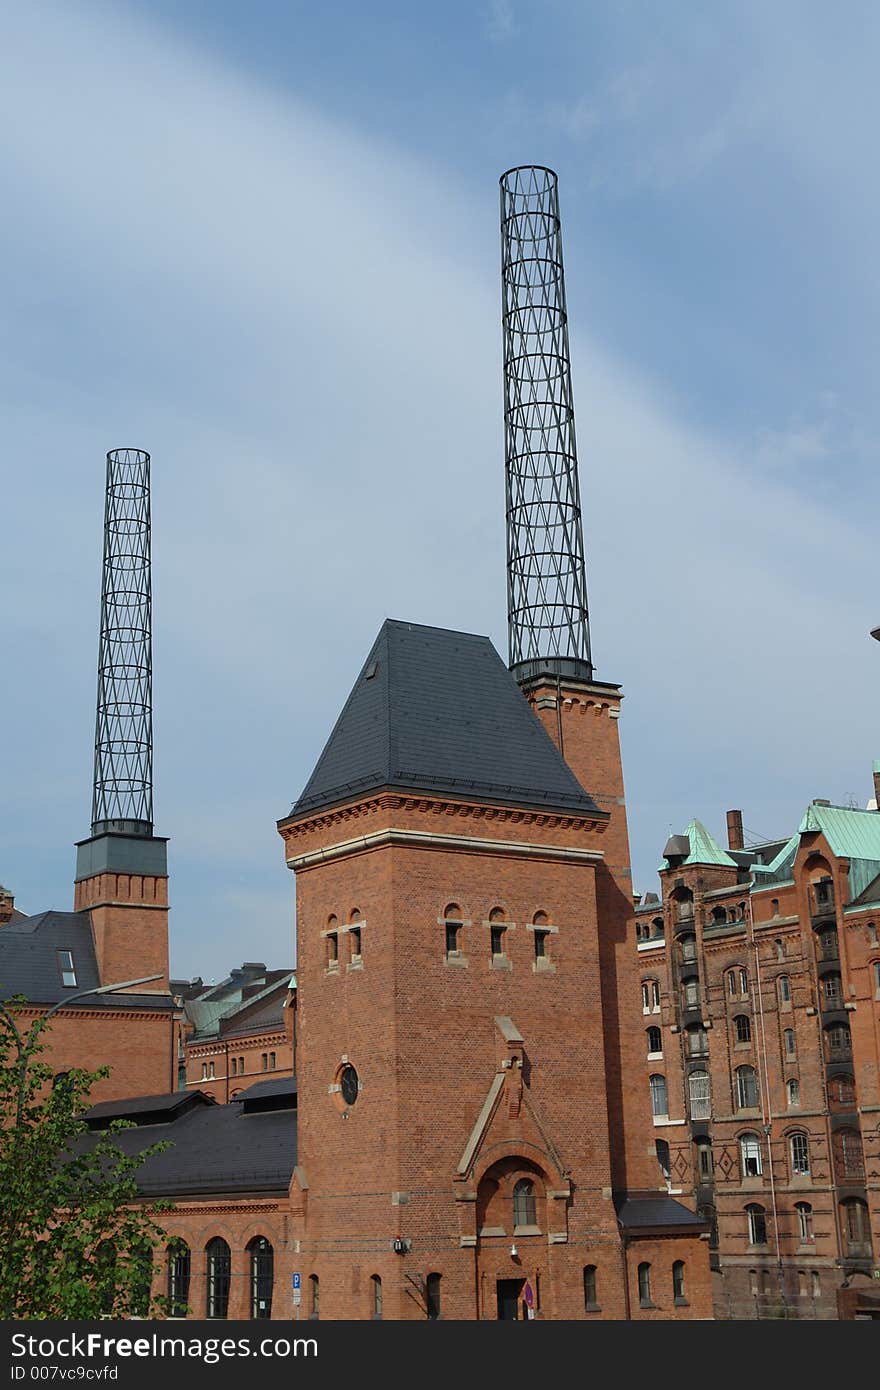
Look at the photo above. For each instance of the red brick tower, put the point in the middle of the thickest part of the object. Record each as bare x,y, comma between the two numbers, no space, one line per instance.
463,1148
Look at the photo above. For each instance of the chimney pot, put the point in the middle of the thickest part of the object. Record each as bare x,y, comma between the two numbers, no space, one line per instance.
735,830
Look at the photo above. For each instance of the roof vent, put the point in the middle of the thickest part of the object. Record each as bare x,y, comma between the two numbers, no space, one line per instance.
820,801
371,670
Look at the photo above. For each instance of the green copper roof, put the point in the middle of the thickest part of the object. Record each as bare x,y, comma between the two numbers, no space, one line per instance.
705,849
850,834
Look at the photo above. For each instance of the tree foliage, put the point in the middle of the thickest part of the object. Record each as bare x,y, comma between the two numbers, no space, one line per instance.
75,1239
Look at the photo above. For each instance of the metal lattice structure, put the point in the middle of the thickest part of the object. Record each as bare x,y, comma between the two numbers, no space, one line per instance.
123,787
548,621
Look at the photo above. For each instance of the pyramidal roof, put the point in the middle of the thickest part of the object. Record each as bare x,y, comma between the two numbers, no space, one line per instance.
705,849
437,711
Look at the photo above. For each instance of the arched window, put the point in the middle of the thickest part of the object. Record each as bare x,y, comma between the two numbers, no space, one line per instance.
541,934
314,1297
750,1155
780,948
262,1259
497,928
757,1219
332,940
743,1025
705,1163
376,1295
591,1301
452,927
655,1042
746,1088
178,1278
699,1096
774,907
805,1222
737,982
799,1148
678,1281
719,916
650,997
218,1274
852,1157
857,1228
524,1207
658,929
659,1102
432,1296
783,989
793,1093
645,1285
790,1043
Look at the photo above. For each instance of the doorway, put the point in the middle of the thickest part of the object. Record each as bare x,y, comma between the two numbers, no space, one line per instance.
509,1299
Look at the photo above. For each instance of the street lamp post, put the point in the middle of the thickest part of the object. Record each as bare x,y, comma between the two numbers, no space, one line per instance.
25,1045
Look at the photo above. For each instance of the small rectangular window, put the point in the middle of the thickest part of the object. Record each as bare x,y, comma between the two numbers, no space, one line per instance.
355,942
67,968
265,1061
497,935
271,1061
541,944
452,930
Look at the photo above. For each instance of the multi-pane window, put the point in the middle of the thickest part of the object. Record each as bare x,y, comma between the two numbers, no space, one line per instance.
852,1156
838,1041
757,1219
178,1278
698,1095
743,1025
645,1285
67,968
793,1093
805,1221
591,1300
832,991
659,1101
799,1147
746,1088
783,989
524,1206
262,1260
217,1283
750,1155
828,945
789,1042
842,1090
655,1042
678,1281
737,982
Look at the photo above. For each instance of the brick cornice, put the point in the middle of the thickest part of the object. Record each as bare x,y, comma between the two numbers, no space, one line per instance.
396,801
422,839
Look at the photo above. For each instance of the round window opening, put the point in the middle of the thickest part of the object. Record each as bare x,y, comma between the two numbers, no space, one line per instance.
348,1084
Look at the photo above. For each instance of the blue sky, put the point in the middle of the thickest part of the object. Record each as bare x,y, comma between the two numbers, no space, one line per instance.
262,242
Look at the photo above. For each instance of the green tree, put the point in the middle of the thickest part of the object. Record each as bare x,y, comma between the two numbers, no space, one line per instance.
76,1240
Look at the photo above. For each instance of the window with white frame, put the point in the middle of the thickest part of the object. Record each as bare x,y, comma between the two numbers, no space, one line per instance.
698,1095
750,1155
659,1101
67,968
793,1093
799,1148
746,1088
650,996
743,1026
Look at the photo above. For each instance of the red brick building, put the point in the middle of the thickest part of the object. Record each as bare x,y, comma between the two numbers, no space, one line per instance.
760,982
117,932
239,1032
469,1145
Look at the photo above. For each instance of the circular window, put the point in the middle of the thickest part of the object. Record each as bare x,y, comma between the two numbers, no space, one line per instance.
348,1084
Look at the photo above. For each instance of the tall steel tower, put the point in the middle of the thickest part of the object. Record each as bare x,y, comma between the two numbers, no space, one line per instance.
548,621
123,782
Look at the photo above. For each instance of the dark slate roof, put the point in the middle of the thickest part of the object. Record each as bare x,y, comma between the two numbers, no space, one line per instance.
438,711
144,1109
649,1213
214,1149
278,1086
29,962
